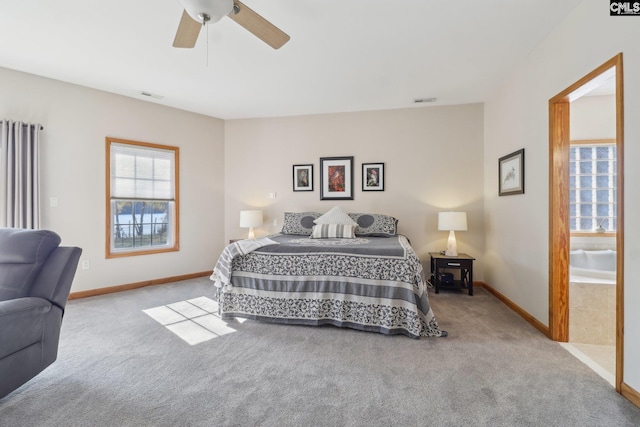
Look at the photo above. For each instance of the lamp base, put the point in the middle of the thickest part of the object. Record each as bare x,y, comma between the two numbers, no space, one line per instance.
452,247
251,235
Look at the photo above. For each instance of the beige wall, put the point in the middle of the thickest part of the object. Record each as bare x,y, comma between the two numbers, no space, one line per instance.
433,162
76,121
593,117
516,116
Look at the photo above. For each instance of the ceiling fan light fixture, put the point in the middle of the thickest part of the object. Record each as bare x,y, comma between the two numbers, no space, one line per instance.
215,10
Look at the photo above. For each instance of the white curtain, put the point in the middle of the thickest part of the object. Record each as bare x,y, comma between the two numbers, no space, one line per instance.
19,174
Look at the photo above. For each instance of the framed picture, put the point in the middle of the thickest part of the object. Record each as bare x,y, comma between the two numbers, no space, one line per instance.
336,178
373,177
302,177
511,174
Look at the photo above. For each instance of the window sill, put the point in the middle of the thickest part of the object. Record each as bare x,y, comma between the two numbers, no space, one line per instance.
592,234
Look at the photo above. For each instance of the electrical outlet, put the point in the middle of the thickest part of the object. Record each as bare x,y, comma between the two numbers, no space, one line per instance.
272,195
53,202
85,264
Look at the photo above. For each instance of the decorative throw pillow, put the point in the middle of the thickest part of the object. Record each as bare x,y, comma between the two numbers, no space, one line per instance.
375,225
335,216
326,231
299,222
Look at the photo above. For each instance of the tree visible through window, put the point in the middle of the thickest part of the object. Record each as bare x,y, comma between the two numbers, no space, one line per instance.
142,198
592,187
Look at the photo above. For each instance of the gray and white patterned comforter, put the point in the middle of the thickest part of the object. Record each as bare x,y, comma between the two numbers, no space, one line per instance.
369,283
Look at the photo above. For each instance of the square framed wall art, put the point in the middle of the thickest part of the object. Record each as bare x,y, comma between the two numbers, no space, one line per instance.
336,178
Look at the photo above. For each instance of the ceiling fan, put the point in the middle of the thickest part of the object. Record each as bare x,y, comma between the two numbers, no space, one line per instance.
198,13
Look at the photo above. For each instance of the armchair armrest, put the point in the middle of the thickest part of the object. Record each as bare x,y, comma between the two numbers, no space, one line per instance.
21,323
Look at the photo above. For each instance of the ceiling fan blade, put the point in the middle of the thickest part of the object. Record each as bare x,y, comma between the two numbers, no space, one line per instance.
258,26
188,31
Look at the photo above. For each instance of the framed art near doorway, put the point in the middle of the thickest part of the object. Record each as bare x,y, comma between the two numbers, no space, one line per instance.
511,173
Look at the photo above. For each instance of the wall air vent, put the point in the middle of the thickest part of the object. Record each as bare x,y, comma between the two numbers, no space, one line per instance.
424,100
151,95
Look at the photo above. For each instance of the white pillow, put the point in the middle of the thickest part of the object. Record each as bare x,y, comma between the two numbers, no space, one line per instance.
335,216
326,231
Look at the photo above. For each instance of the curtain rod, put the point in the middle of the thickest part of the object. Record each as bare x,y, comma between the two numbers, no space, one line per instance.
26,124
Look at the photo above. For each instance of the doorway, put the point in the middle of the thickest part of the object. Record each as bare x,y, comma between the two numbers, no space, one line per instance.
559,204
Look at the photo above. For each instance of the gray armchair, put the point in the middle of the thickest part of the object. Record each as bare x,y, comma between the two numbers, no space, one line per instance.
35,280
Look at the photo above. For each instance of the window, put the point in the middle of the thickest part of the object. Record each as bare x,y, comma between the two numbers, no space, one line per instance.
142,198
592,181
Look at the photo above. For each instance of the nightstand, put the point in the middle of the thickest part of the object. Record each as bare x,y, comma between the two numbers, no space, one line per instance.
461,262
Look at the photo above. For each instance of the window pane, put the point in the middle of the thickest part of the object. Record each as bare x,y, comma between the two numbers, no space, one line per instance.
605,152
586,196
586,224
162,170
586,210
572,196
602,166
585,153
572,210
142,164
144,167
602,196
602,181
141,224
602,210
572,168
585,167
586,181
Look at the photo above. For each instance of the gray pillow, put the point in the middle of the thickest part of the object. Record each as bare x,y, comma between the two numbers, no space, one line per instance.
299,222
375,225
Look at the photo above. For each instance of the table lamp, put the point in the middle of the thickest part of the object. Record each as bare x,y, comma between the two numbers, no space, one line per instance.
250,219
452,222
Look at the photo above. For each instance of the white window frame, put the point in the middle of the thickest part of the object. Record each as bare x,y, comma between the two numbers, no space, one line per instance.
142,189
578,177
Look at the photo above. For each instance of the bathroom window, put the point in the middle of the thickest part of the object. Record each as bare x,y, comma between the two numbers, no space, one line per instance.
592,181
142,198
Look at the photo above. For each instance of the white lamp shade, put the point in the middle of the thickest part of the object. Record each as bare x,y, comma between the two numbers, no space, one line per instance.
250,218
452,221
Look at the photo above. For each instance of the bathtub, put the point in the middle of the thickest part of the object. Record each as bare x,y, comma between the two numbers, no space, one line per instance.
595,267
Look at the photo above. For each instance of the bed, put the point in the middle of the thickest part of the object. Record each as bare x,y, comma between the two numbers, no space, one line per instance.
371,281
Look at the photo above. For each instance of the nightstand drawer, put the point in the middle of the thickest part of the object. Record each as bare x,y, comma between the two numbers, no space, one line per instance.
455,264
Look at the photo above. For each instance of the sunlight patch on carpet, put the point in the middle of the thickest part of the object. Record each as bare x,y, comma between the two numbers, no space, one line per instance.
195,320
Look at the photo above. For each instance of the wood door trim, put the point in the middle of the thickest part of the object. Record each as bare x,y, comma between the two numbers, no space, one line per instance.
559,140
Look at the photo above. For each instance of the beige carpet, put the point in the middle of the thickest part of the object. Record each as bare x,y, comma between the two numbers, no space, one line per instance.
120,366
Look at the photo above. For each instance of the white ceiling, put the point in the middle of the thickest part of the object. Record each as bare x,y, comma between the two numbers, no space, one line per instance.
344,55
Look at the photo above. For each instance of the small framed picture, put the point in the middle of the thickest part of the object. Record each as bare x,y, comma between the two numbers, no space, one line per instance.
373,177
302,177
336,178
511,174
